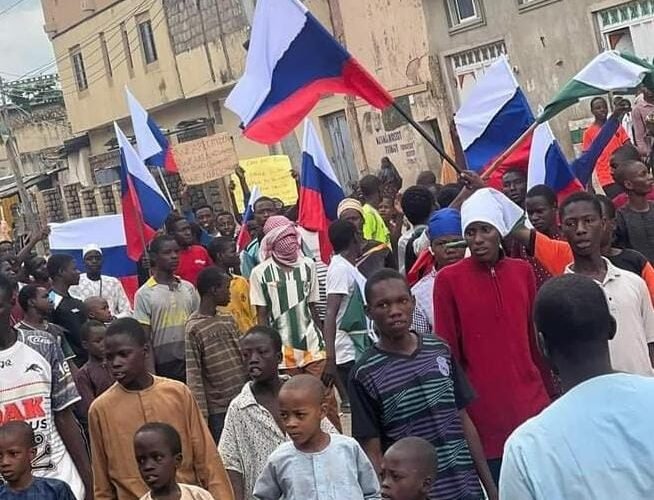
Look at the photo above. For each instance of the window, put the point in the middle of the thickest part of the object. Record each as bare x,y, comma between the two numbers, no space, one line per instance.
147,42
78,68
463,12
127,48
105,56
529,4
468,66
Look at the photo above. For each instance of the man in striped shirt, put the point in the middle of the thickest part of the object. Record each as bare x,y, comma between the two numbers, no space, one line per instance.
284,289
409,385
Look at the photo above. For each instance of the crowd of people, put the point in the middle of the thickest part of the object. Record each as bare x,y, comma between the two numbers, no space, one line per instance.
486,344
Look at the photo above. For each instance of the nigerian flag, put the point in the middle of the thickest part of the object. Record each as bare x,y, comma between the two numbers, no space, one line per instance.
611,71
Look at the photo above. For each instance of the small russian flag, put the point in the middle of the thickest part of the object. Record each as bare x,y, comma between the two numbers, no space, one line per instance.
243,239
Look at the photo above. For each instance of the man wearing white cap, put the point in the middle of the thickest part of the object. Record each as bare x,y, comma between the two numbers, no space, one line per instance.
93,283
483,307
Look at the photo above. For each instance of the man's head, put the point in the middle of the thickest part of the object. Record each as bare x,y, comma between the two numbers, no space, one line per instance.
93,336
213,283
222,251
126,351
344,237
444,229
7,298
261,349
408,469
514,185
386,208
281,241
426,178
484,242
92,255
610,222
7,267
417,204
541,205
158,451
648,94
370,186
164,253
178,227
573,321
17,450
600,109
7,248
634,177
389,303
302,406
351,210
264,208
226,224
34,298
623,155
37,268
448,194
582,223
98,308
205,216
63,270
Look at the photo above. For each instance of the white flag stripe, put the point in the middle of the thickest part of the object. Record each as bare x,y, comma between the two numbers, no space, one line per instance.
609,71
135,165
314,147
107,231
146,143
542,140
490,94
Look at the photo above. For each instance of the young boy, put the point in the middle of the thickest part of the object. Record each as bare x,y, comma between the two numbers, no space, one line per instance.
17,450
137,398
97,308
409,469
214,369
315,464
94,378
158,451
405,363
636,219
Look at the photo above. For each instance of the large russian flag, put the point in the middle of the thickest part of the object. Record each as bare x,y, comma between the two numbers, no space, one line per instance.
145,208
495,114
152,144
293,61
320,190
108,233
548,165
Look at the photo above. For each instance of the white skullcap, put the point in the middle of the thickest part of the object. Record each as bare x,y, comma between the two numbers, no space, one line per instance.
91,248
492,207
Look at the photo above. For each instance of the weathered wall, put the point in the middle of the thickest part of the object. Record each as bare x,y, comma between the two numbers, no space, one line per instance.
60,15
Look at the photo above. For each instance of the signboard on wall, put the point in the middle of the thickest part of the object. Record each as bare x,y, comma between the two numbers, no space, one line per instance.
206,159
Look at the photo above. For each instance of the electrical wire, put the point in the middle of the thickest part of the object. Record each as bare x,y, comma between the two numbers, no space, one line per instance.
15,4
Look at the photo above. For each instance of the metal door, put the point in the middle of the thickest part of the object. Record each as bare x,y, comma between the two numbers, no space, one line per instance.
342,157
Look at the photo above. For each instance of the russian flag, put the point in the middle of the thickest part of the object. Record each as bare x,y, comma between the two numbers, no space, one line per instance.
293,61
145,208
243,239
495,114
548,165
320,190
108,233
152,144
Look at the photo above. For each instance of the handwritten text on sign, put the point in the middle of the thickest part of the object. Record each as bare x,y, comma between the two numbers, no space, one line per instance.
206,159
272,175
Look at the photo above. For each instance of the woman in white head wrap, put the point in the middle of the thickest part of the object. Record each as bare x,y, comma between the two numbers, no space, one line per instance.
483,310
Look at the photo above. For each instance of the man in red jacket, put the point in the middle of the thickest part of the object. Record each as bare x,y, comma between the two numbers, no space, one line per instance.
192,258
484,306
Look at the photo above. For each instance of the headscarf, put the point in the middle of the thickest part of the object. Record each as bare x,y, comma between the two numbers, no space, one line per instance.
92,247
445,222
281,241
349,204
492,207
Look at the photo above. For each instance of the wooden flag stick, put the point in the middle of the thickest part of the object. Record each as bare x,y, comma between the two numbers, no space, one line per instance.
502,158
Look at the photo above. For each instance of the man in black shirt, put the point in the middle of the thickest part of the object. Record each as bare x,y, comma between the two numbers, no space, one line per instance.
68,312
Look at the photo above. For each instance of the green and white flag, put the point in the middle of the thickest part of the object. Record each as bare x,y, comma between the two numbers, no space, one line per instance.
611,71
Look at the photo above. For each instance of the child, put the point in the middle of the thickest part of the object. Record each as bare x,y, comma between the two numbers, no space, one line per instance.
97,308
158,451
408,469
636,219
137,398
17,450
315,464
94,377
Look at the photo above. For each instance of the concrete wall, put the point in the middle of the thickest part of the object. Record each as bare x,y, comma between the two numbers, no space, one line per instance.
60,15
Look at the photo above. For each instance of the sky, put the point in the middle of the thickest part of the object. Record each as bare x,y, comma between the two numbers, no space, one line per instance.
23,43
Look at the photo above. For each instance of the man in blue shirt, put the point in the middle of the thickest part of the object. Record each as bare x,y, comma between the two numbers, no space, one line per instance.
595,441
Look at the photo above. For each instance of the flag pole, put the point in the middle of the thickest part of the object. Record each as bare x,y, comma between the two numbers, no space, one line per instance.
427,137
502,158
166,189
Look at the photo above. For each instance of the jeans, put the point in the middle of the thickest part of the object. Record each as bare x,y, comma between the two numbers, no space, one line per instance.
216,425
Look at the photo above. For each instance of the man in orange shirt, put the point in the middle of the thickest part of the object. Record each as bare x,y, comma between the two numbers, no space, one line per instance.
600,110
